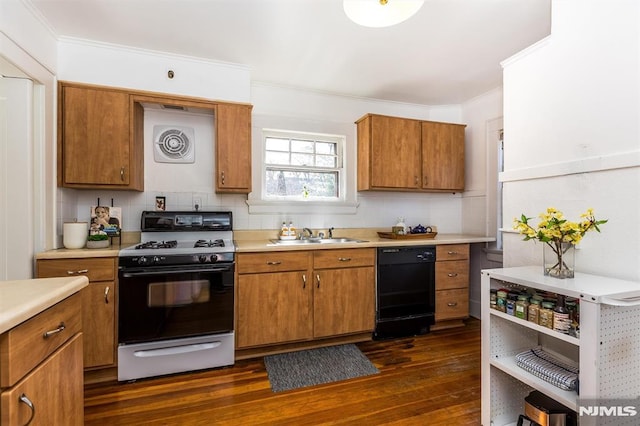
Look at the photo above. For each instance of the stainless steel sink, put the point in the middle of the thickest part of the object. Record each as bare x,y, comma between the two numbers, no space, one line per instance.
316,241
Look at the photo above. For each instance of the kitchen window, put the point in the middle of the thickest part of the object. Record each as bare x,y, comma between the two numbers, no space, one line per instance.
302,166
303,172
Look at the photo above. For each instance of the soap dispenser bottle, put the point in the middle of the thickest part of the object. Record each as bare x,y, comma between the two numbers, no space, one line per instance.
292,230
284,231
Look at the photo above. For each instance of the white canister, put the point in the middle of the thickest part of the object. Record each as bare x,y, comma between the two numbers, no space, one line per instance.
74,234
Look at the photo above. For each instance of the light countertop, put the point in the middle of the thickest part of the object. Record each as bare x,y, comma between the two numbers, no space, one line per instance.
265,245
24,299
259,241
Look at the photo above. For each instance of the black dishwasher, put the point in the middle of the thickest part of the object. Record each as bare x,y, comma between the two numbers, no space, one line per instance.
405,291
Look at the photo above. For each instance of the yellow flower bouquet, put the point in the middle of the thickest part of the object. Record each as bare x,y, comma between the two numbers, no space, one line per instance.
558,234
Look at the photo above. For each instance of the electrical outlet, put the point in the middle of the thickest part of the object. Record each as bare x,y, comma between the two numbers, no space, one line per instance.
197,203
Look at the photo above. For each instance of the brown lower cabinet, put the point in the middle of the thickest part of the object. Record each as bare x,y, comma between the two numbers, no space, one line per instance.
42,379
98,304
293,296
452,285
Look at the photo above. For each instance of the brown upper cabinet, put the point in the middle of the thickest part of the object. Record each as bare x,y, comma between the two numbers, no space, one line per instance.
97,143
401,154
101,139
233,148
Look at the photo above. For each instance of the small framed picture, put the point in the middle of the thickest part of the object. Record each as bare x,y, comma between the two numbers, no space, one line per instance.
106,219
161,204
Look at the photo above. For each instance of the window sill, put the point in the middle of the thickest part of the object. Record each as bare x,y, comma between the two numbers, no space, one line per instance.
301,207
493,254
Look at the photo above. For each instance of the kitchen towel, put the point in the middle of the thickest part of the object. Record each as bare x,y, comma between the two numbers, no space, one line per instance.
317,366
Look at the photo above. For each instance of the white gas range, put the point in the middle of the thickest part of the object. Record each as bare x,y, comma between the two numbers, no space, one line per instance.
176,290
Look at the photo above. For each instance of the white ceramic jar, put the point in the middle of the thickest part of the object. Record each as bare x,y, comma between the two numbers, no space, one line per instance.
74,234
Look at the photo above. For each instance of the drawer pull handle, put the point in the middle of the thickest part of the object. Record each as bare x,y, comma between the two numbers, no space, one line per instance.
122,174
452,304
78,272
451,253
274,262
25,400
344,259
222,177
50,333
452,274
304,281
106,295
318,279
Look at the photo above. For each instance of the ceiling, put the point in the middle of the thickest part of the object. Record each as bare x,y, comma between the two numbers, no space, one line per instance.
449,52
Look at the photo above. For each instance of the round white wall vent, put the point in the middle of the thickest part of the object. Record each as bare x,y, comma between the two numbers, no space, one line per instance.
173,144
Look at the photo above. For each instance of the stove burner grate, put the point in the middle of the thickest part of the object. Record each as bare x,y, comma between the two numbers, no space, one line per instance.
209,243
157,244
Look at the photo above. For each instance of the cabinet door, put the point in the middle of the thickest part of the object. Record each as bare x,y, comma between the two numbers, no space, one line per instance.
95,148
98,303
273,308
344,301
442,156
395,153
54,388
233,148
98,324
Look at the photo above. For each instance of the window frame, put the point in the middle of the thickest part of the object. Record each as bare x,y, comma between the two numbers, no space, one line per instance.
314,137
345,203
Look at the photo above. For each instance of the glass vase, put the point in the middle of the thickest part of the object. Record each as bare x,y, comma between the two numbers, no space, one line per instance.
559,259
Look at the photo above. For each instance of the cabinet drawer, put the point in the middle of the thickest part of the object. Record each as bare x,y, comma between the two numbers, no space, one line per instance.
345,258
454,274
273,262
452,304
25,346
452,252
96,269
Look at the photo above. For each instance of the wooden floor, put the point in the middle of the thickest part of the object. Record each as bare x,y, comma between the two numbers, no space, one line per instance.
432,379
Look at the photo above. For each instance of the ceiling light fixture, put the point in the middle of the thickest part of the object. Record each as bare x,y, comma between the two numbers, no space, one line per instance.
381,13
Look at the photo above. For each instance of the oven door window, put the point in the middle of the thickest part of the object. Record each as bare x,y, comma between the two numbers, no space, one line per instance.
178,293
171,304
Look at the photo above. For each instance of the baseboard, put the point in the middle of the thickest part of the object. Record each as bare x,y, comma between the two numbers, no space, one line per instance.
296,346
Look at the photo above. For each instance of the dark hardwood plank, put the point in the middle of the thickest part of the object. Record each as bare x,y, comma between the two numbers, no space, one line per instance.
432,379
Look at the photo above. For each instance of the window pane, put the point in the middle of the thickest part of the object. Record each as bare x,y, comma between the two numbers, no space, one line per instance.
276,144
292,183
302,159
302,146
271,157
325,161
325,148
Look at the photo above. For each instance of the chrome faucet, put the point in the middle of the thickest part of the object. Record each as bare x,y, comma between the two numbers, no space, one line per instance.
307,230
330,231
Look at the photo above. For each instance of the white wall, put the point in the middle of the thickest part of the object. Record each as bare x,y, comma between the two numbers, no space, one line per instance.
120,66
572,134
483,116
277,107
274,107
480,114
127,67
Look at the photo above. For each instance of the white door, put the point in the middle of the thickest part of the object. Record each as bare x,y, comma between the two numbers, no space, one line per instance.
16,178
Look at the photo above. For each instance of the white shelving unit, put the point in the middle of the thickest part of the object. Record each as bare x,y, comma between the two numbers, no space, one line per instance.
607,352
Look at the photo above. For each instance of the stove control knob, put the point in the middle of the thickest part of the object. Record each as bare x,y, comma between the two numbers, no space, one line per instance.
202,258
214,258
155,260
142,260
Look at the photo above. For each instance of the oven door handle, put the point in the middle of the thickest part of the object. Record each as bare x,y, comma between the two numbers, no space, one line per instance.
168,272
174,350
